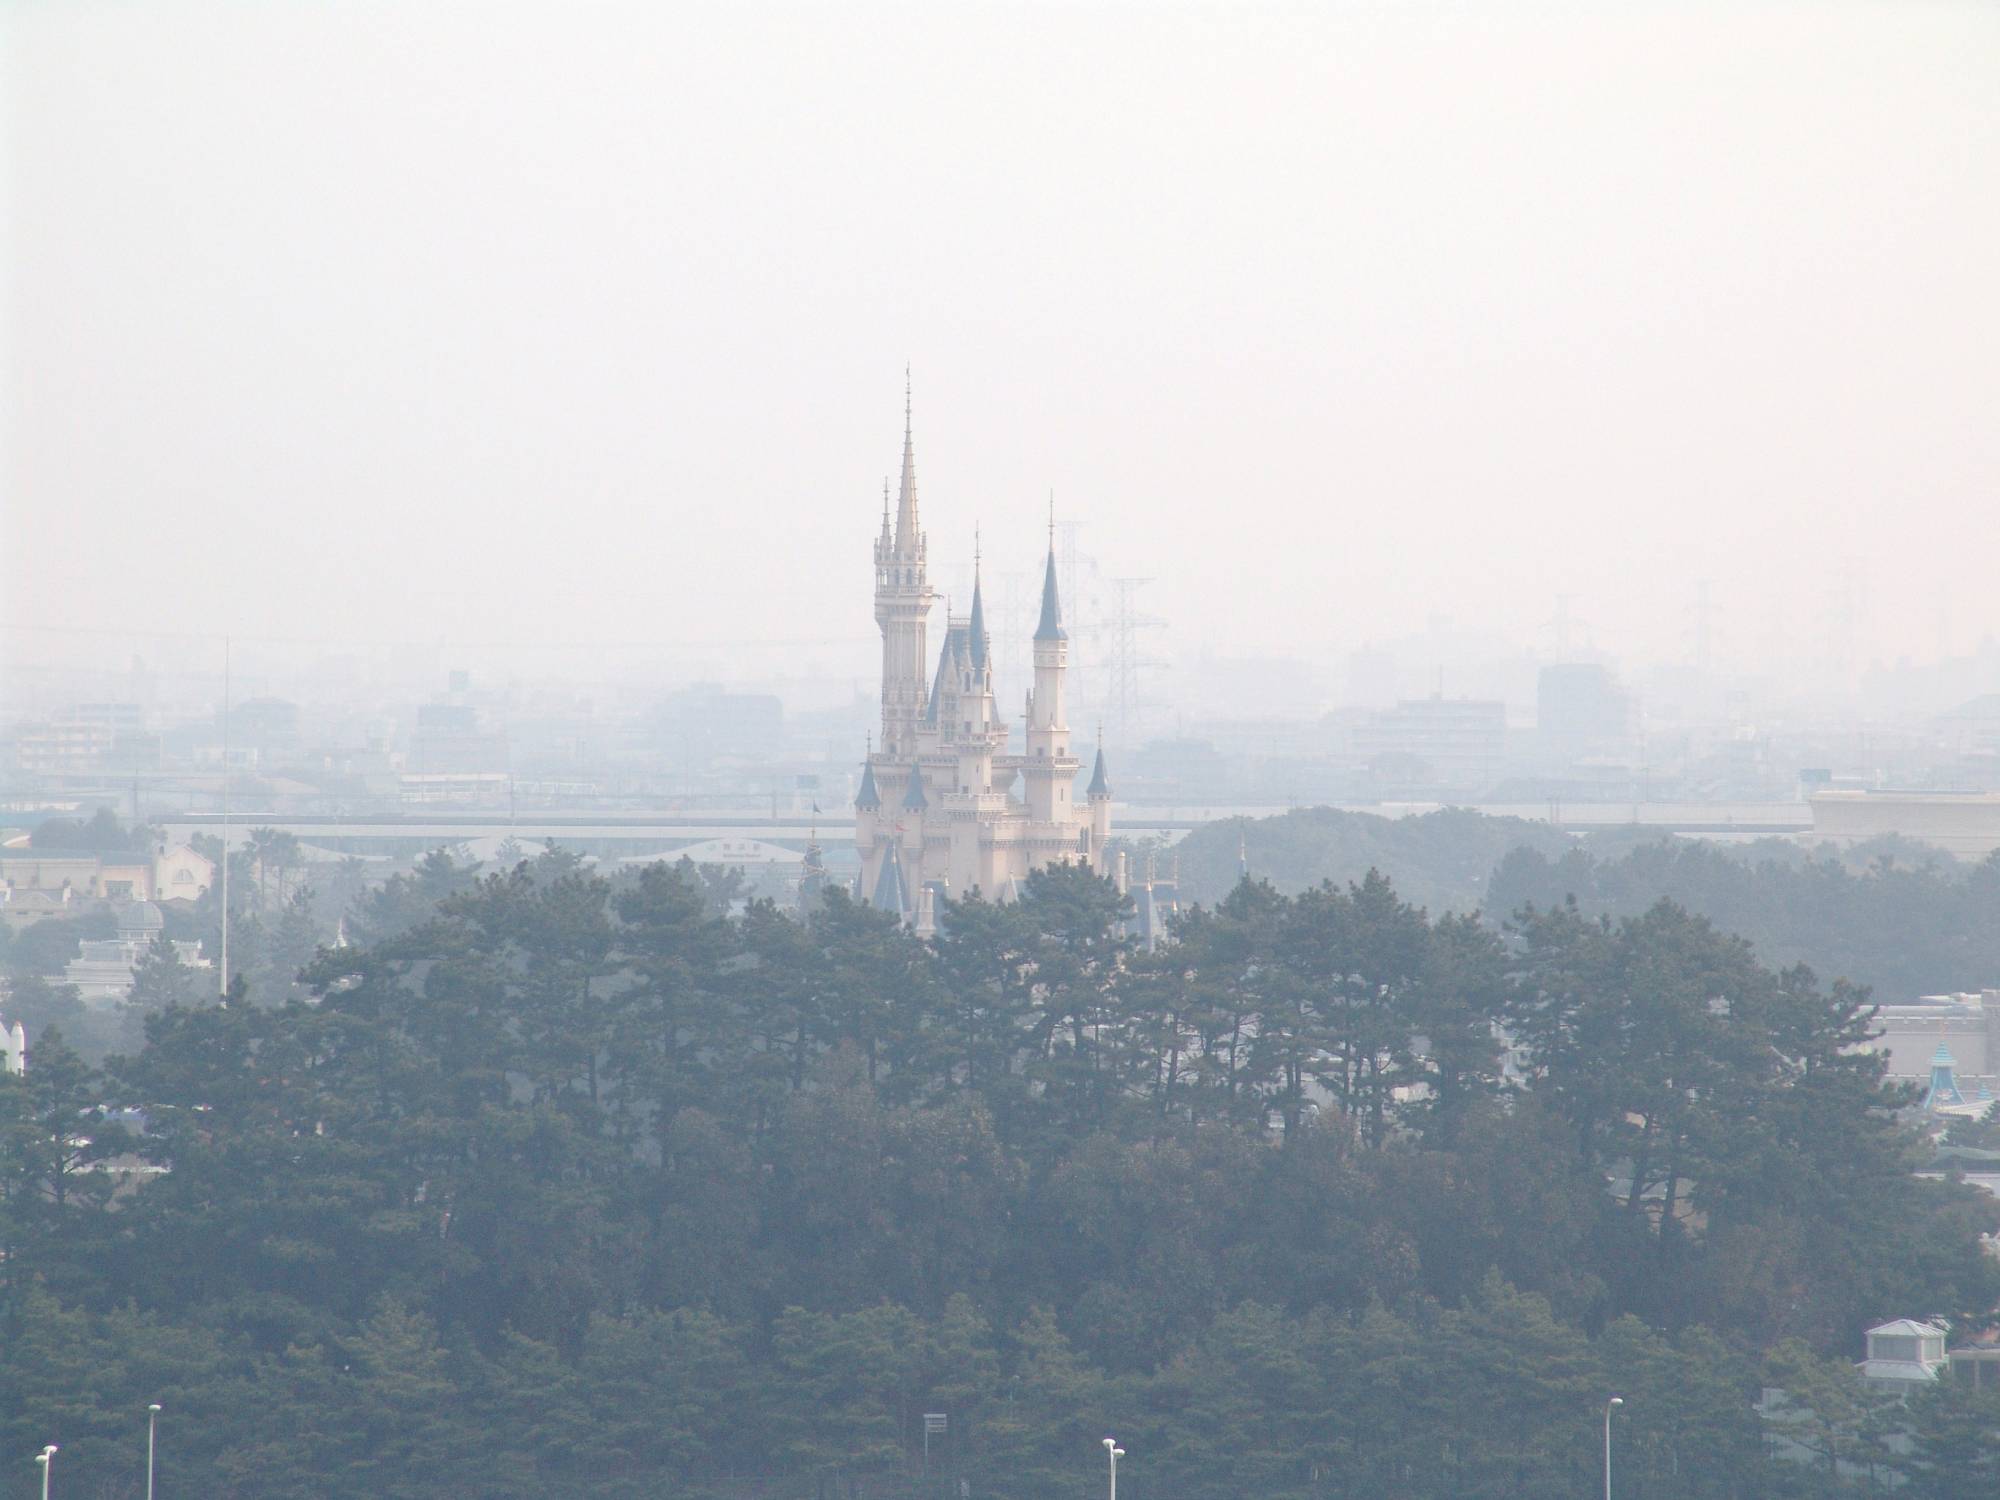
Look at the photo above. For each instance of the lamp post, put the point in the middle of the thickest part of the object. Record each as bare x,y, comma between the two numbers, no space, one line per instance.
1614,1401
1114,1453
43,1458
152,1429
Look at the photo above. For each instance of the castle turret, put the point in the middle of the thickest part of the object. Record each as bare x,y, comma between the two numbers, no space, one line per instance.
867,819
1050,770
812,870
978,714
902,607
890,893
1099,795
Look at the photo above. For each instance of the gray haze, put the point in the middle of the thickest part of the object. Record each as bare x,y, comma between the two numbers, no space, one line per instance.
583,326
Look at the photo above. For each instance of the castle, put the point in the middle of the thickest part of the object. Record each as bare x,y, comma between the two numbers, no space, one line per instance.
937,810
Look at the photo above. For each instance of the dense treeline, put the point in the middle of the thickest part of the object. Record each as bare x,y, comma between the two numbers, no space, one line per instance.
1440,860
1904,921
1902,918
556,1186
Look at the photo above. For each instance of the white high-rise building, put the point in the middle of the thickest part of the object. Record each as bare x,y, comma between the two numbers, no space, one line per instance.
938,809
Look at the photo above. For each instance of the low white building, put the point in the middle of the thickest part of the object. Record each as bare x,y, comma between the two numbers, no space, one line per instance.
103,972
1904,1356
181,873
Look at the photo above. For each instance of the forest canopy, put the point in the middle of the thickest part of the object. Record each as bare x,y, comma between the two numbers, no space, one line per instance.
555,1185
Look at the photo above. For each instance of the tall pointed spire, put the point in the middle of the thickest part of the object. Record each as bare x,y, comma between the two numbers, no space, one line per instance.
889,894
907,533
978,628
886,533
1050,628
1100,783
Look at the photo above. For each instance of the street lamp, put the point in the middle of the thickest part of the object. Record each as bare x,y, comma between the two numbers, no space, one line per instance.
1614,1401
152,1427
43,1458
1112,1451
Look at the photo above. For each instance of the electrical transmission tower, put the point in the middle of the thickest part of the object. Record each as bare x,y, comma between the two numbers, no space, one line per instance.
1126,660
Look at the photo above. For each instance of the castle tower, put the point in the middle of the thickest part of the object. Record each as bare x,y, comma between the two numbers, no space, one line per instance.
903,600
867,806
812,872
978,714
938,812
1099,794
1050,770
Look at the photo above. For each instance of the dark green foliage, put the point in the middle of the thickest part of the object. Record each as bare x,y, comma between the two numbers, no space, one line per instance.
44,947
558,1186
101,833
1439,860
1902,923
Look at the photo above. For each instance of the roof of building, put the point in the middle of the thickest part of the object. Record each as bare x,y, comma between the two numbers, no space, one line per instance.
1903,1327
914,797
977,629
867,797
889,893
1100,784
950,655
1051,627
141,916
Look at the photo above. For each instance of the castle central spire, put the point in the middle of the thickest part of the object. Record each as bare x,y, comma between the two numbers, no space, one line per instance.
902,605
907,532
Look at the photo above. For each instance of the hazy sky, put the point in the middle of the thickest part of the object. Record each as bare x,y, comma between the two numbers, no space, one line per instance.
588,322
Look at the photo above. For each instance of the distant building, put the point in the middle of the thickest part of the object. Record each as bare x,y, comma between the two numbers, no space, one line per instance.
1965,1027
88,737
103,972
19,908
1580,710
266,727
181,873
455,739
937,812
1458,744
62,745
1977,1365
125,877
1903,1357
706,722
453,789
112,877
13,1047
1966,824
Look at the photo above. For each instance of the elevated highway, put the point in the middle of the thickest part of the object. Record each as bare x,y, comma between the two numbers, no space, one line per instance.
628,834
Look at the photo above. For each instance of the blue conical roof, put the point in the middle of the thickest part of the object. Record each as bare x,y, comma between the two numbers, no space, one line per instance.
867,798
1100,784
889,894
950,656
978,627
1050,628
914,798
